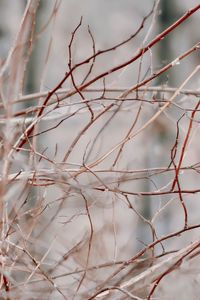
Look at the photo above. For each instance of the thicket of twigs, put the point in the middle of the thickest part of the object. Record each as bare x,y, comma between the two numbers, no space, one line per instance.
51,202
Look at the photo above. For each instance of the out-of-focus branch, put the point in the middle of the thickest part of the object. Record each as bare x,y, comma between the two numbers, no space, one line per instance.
144,279
12,71
156,89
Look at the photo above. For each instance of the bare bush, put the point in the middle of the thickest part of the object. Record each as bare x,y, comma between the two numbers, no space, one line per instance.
99,182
